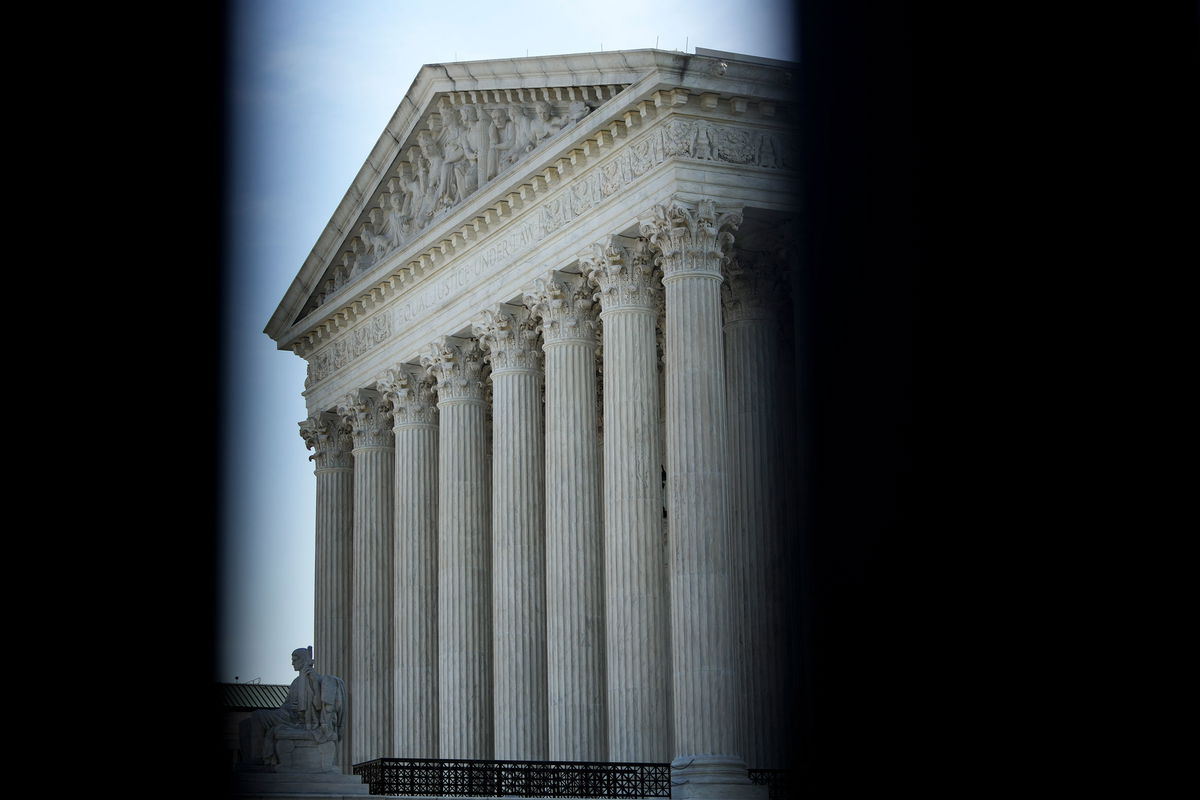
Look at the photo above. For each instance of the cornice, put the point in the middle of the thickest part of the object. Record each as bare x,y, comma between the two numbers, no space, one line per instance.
652,79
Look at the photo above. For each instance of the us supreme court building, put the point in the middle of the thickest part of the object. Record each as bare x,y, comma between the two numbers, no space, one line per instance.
551,393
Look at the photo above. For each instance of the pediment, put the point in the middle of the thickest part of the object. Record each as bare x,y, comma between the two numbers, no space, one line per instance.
459,132
462,145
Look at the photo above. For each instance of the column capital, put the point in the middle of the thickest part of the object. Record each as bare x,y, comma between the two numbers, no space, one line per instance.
754,287
328,436
565,303
409,389
368,415
509,335
693,239
457,365
623,268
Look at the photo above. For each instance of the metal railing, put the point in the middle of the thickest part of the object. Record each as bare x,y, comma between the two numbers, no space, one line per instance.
776,781
474,778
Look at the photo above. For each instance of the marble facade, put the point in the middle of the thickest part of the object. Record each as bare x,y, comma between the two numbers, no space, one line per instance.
548,344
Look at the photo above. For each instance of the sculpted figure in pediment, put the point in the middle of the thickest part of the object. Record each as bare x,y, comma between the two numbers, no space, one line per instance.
434,186
458,159
378,245
394,224
577,111
525,140
410,191
424,199
502,138
476,135
544,124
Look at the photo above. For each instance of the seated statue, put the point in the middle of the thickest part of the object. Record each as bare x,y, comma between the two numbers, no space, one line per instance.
302,733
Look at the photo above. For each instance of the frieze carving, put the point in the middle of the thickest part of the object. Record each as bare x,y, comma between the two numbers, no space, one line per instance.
509,335
328,436
369,417
565,305
691,240
623,270
733,144
457,366
375,331
586,192
754,287
409,390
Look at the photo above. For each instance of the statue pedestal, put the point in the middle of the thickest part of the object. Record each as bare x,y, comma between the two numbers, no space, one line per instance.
298,751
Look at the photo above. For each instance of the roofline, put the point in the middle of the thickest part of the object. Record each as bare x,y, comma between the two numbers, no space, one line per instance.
605,67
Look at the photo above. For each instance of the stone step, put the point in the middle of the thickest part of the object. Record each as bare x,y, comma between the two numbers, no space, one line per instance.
298,796
314,777
280,784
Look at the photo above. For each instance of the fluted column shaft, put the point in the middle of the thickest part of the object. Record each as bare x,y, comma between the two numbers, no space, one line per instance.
334,470
464,552
414,661
753,350
369,687
518,541
708,737
636,611
574,534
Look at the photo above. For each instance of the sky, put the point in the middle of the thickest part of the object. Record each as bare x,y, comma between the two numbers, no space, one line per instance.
313,83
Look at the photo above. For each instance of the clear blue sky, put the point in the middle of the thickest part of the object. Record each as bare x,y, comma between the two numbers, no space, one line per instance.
313,84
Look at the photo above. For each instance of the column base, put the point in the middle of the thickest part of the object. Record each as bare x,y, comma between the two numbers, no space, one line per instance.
713,778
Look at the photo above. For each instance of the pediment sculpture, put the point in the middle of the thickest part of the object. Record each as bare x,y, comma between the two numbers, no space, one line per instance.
463,148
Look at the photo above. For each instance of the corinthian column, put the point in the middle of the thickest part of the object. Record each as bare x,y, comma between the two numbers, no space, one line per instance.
574,536
753,294
510,337
709,761
414,650
329,438
370,684
635,568
464,551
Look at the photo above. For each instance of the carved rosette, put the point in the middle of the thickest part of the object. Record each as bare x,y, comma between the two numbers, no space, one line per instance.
409,390
624,271
369,416
565,304
328,436
692,241
457,366
509,335
753,287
